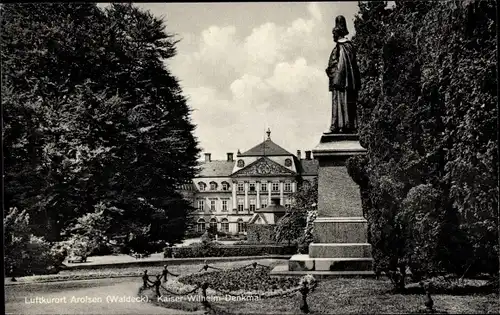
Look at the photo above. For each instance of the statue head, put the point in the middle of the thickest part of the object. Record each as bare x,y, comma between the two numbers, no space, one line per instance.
340,28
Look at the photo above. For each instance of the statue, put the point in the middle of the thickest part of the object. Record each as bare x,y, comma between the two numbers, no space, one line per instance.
344,80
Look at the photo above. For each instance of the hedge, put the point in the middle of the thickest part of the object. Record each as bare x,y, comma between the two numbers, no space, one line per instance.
199,250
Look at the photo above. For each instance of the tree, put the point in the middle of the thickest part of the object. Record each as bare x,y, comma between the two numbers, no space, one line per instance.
427,115
296,225
93,116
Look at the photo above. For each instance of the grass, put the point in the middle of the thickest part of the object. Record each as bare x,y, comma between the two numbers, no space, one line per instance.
357,295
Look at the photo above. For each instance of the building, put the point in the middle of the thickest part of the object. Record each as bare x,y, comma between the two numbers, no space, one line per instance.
227,193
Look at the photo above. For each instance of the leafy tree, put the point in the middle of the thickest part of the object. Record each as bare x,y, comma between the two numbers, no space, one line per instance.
296,225
93,116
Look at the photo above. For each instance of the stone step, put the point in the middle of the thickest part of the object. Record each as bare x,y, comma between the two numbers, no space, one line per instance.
282,271
307,263
340,250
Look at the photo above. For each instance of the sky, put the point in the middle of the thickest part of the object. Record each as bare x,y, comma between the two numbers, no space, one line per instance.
247,67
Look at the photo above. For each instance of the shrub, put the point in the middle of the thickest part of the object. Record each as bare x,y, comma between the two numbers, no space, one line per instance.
26,254
261,233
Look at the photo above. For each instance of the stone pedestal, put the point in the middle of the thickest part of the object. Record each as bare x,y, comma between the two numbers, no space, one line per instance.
340,230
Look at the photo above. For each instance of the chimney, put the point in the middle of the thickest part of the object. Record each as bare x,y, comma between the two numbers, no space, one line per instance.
229,156
298,155
308,155
207,157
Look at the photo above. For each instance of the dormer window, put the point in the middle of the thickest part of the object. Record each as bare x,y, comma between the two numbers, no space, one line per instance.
213,186
202,186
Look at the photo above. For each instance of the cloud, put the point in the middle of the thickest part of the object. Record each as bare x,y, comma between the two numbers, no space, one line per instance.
295,77
241,84
263,44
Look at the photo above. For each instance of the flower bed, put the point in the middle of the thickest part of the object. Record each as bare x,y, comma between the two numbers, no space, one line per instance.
248,279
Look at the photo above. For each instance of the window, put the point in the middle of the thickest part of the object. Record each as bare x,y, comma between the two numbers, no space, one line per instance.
252,204
202,186
276,186
224,204
213,186
288,203
241,187
288,162
252,186
263,186
263,203
241,163
225,186
200,225
241,203
224,226
201,205
288,186
213,224
212,204
242,226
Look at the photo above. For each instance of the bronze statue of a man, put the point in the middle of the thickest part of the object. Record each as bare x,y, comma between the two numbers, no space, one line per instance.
344,80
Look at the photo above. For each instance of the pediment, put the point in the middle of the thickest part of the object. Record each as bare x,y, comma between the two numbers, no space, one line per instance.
264,167
258,218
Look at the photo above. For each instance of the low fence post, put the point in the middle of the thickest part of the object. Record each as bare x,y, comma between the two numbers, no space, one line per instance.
157,284
145,279
164,273
204,300
304,290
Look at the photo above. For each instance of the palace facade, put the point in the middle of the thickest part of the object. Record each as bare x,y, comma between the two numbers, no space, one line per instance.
228,192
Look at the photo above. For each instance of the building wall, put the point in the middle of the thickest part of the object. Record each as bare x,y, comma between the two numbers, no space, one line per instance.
252,198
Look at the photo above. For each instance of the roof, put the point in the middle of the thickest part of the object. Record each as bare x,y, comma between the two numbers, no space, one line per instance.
216,168
274,207
267,147
309,167
187,187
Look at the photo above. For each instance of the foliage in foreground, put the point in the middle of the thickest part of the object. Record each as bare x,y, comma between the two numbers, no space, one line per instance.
25,253
428,120
296,226
247,279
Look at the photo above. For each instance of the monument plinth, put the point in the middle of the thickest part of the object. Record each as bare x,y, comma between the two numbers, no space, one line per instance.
340,246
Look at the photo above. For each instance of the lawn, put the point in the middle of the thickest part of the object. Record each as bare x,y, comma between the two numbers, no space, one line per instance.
354,296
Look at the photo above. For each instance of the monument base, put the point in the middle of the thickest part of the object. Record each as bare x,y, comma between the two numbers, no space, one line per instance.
340,230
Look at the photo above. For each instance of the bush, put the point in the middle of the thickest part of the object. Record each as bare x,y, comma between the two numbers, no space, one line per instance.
216,250
26,254
261,233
